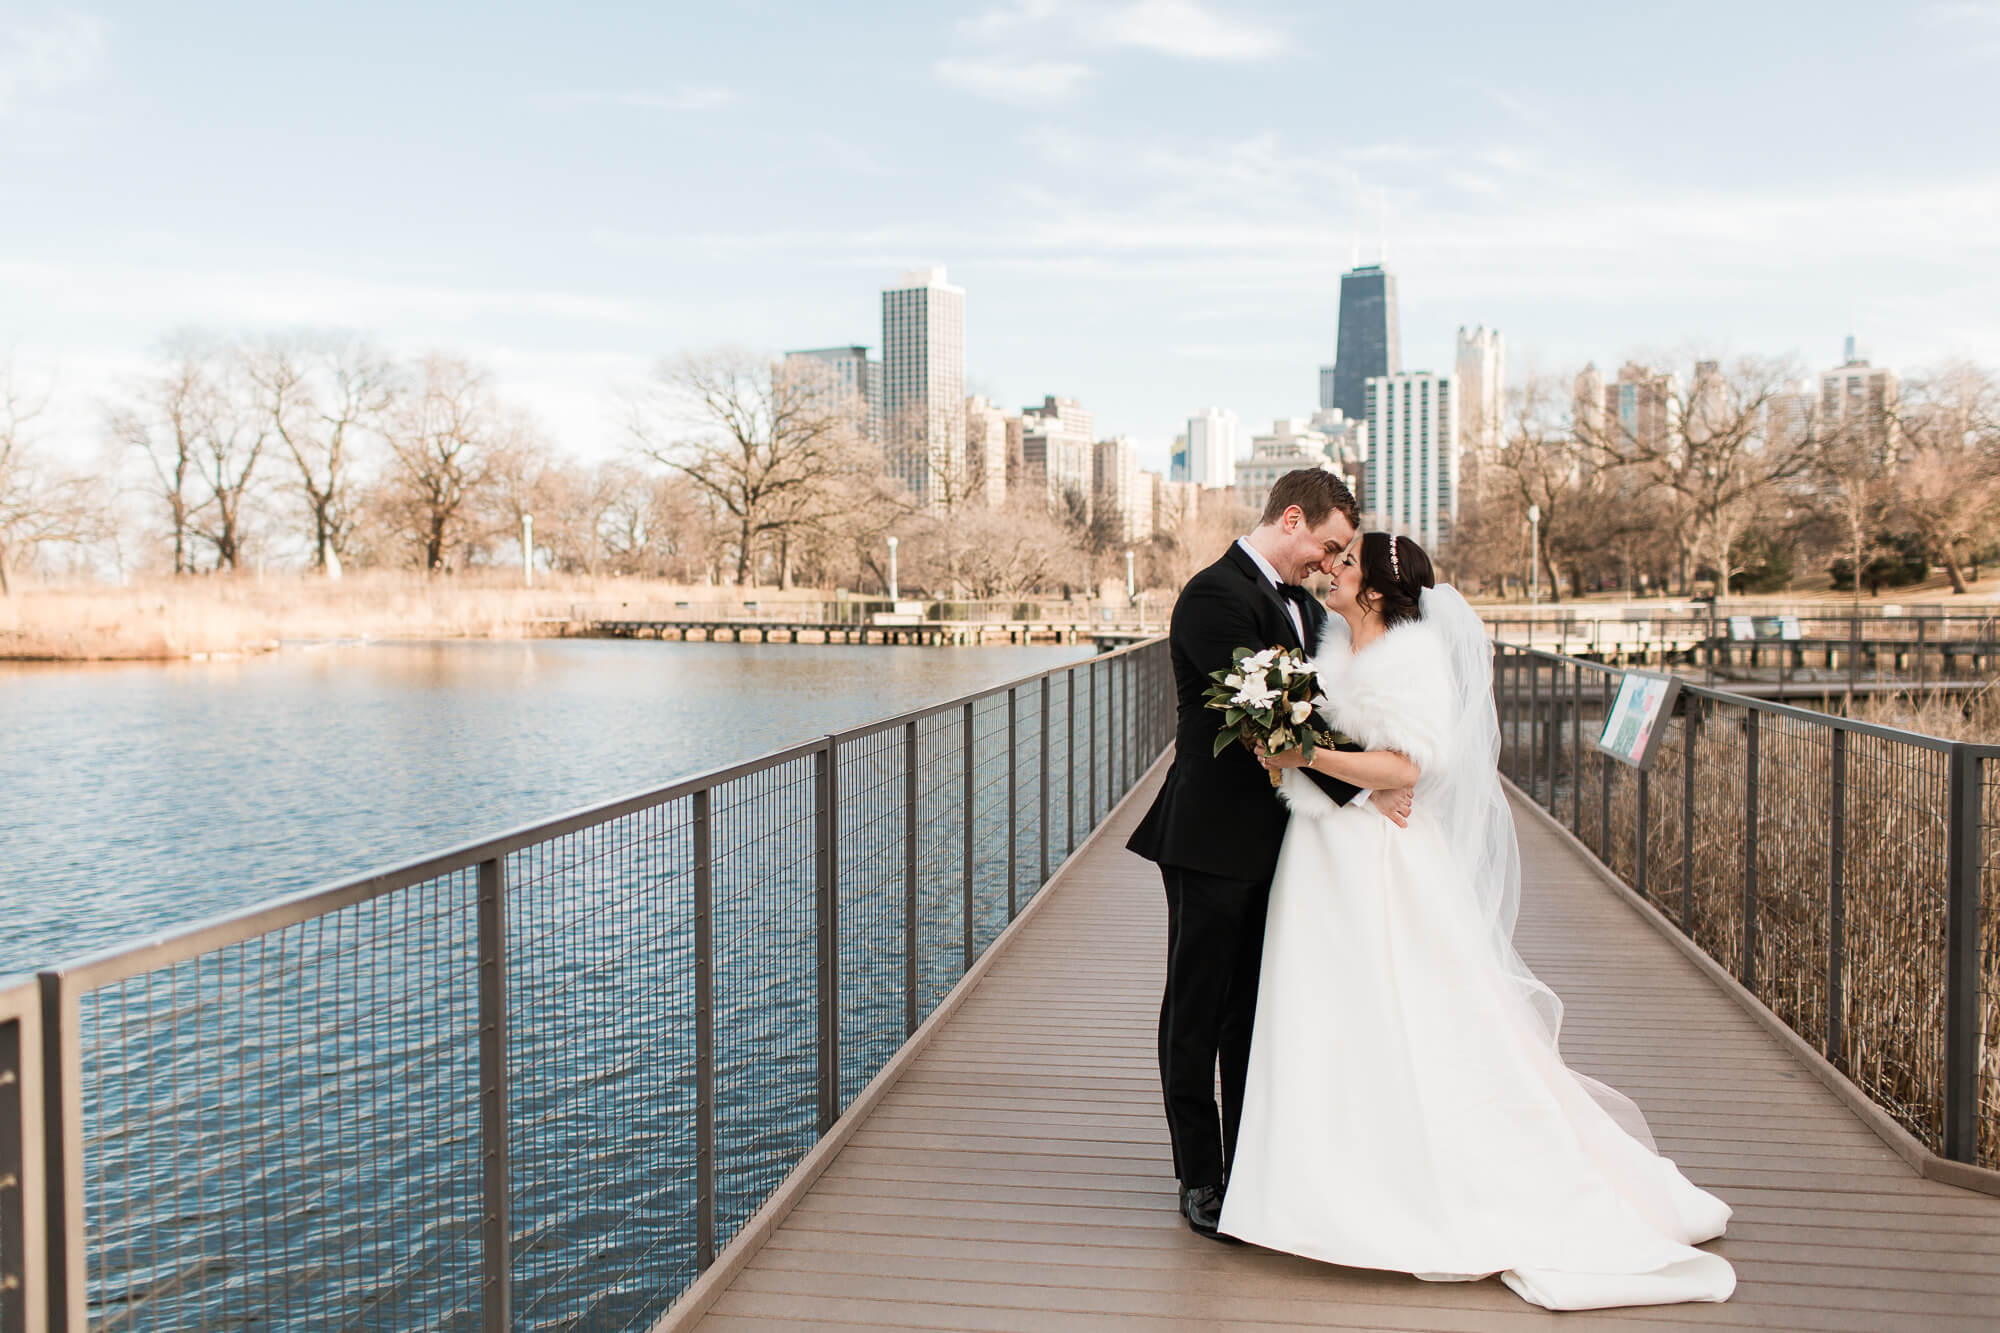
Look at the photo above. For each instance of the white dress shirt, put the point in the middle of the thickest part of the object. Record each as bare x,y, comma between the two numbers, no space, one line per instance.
1270,572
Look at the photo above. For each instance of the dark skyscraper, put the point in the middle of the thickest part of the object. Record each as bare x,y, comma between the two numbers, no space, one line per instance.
1369,344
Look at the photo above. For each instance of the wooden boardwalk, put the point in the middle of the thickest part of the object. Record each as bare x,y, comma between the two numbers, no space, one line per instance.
1017,1175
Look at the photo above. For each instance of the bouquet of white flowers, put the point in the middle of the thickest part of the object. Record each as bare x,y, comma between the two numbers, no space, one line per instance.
1269,697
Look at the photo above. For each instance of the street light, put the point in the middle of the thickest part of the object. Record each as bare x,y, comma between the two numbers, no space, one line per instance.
892,569
1129,588
527,550
1534,554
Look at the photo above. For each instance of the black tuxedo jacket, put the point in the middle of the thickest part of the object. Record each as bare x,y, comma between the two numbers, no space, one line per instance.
1219,814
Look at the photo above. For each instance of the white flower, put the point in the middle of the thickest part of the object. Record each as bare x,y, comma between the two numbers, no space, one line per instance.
1258,662
1255,694
1233,681
1301,710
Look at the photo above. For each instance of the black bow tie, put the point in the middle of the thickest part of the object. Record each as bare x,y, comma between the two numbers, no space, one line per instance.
1298,594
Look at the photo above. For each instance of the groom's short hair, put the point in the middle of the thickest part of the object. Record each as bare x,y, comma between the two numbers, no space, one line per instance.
1316,492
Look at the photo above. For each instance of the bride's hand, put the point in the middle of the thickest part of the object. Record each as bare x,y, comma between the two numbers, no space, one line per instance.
1292,758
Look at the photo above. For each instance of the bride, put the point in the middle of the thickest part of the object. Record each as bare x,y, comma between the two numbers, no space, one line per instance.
1407,1108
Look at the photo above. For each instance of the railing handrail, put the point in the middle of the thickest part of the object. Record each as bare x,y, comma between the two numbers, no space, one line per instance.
1772,706
177,944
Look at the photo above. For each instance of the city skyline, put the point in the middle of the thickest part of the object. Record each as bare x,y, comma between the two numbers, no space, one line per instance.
1156,217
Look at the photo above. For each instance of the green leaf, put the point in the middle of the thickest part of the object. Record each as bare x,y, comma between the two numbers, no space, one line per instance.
1233,717
1223,740
1239,655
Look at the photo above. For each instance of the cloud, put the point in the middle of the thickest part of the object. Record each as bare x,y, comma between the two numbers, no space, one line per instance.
59,52
1023,83
1183,28
689,98
293,299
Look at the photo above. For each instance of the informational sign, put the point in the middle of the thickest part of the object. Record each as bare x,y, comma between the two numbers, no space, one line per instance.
1638,716
1748,629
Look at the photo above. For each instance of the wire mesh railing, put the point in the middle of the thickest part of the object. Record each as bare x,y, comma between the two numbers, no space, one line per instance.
1846,873
537,1082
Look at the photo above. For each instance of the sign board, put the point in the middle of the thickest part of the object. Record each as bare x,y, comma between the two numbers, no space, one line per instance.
1747,629
1637,720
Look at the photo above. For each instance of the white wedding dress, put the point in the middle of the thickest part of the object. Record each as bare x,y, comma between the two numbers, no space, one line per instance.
1407,1108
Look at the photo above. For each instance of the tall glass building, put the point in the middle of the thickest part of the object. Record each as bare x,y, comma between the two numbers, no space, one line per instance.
923,382
1413,457
1369,344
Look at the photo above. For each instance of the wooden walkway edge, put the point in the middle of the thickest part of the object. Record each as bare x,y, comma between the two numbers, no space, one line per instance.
1012,1170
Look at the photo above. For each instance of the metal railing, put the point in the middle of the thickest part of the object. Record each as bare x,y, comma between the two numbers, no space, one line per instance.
540,1080
1848,874
1917,645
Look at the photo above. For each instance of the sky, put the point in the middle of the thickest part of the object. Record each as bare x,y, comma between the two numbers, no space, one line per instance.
1148,202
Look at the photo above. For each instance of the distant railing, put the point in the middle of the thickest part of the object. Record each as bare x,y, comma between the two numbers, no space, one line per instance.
1847,874
863,610
537,1081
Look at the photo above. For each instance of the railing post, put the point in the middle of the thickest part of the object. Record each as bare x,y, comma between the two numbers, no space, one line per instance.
1836,907
1013,802
1604,787
1042,823
24,1267
1554,727
1069,758
1534,726
62,1159
1090,751
704,1035
966,822
1962,961
1690,726
1747,974
1576,752
909,877
1641,819
496,1232
826,913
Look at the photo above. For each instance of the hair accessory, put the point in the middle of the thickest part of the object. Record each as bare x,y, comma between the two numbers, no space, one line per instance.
1395,565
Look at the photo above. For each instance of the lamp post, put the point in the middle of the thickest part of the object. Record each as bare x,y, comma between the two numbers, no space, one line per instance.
892,569
527,550
1130,588
1534,554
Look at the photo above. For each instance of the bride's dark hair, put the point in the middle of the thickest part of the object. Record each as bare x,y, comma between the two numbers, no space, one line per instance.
1395,582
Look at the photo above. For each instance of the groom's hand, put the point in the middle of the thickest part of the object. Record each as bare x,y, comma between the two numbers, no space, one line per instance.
1393,802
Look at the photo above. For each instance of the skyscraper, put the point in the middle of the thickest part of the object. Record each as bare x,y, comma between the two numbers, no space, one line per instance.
1482,387
1116,479
923,382
1859,400
1211,448
985,452
846,371
1056,452
1369,344
1413,450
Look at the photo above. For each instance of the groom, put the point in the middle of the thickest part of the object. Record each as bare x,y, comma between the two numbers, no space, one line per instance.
1216,826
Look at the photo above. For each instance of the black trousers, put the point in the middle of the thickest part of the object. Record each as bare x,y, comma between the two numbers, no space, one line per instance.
1215,946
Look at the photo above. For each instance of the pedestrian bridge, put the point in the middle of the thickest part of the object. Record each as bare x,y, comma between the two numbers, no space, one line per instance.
1011,1170
860,1033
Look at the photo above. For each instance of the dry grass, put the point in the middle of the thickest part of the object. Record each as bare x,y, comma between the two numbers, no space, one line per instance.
215,614
1894,835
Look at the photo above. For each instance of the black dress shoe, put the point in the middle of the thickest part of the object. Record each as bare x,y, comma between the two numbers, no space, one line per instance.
1201,1205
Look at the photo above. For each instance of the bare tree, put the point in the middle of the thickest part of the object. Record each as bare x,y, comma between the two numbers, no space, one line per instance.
1708,451
227,453
165,420
38,505
322,397
764,442
438,437
1947,479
